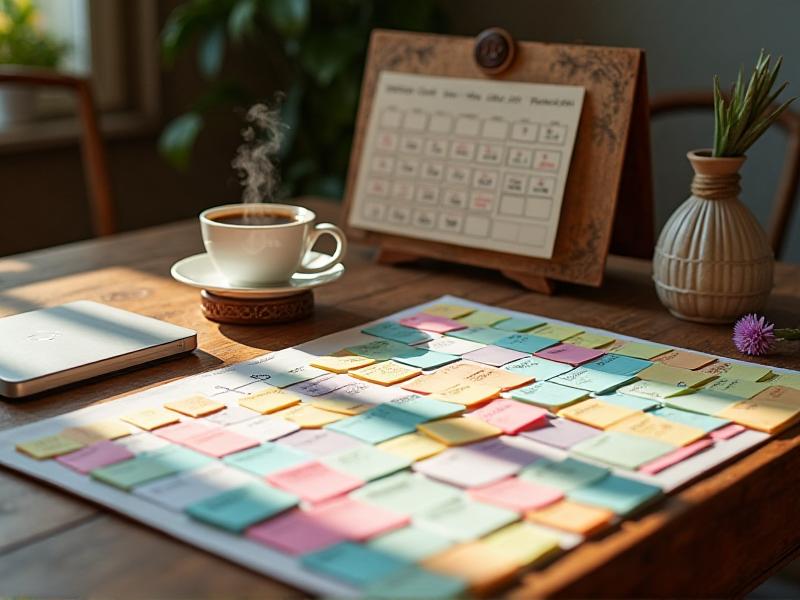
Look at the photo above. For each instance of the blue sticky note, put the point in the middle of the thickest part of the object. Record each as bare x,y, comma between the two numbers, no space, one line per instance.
618,494
426,409
525,342
482,335
397,332
354,564
237,509
704,422
415,582
378,424
548,395
429,359
633,402
518,324
267,458
618,364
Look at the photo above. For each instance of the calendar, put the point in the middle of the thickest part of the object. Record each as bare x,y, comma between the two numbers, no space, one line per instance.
470,162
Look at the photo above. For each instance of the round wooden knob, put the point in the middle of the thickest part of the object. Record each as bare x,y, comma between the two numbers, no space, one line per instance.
494,50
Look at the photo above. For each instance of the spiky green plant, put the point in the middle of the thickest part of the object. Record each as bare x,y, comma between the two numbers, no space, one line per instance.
749,111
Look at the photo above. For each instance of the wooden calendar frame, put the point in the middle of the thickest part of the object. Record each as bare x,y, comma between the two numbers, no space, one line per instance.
609,185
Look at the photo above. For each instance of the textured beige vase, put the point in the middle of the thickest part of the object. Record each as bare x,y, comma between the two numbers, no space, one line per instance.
712,262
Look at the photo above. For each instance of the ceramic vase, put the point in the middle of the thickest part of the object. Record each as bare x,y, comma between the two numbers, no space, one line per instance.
712,261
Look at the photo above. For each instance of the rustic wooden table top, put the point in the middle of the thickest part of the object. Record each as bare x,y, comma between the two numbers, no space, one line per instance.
718,537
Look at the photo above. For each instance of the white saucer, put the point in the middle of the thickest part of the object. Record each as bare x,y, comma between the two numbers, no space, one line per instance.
198,271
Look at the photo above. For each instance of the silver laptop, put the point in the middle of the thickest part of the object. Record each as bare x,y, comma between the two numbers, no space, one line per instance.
51,347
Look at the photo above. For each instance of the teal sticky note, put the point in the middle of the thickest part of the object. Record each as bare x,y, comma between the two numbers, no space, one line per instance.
592,380
618,494
621,449
691,419
237,509
129,473
565,475
464,520
406,493
618,364
267,458
518,324
702,401
428,359
426,409
391,330
366,462
378,424
178,458
384,350
525,342
634,402
411,543
540,368
548,395
482,335
353,563
413,583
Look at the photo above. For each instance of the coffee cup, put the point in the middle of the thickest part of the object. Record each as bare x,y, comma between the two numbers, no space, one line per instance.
265,244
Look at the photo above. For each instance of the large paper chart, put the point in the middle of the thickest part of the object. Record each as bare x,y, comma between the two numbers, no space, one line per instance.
448,446
467,161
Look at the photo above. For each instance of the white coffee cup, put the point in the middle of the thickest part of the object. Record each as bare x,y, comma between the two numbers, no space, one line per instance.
255,254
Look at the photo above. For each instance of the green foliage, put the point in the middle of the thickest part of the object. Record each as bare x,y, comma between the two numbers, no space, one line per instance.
22,42
321,48
749,111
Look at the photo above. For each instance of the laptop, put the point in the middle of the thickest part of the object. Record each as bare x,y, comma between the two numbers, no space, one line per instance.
48,348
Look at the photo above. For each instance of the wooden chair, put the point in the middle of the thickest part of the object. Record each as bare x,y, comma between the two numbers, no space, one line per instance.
94,157
787,189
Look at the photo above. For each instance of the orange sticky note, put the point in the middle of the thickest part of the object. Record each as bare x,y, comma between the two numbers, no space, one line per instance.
657,428
195,406
98,431
345,406
442,378
772,410
341,363
684,360
596,413
677,376
572,516
151,418
386,373
269,400
308,416
455,431
483,567
413,446
466,393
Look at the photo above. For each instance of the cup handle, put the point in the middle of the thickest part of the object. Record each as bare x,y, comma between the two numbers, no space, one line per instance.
341,247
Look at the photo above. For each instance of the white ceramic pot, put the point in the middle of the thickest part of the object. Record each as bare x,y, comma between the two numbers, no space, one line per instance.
17,104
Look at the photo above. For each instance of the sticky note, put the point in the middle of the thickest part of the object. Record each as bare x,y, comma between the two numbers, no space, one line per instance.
634,402
386,373
569,354
353,563
433,323
429,359
572,516
343,406
286,367
468,467
592,380
319,442
618,494
464,520
410,543
727,432
366,462
450,345
525,342
412,446
265,429
449,311
195,406
703,422
654,390
494,356
740,388
639,350
590,340
524,543
467,394
426,408
178,458
324,384
663,430
308,416
536,367
549,395
98,431
738,371
341,364
772,410
267,458
505,380
99,454
295,532
557,332
151,418
136,471
357,520
482,566
516,494
702,401
561,433
684,360
230,416
596,413
676,456
415,582
314,481
179,432
380,350
142,442
178,491
786,380
565,475
674,375
219,442
481,335
364,392
48,447
269,400
482,318
378,424
237,509
392,330
621,449
455,431
519,324
442,378
618,364
510,416
406,493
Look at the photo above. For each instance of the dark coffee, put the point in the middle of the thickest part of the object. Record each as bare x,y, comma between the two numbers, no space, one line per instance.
255,218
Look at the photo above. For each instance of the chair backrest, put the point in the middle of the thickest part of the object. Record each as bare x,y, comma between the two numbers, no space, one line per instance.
94,158
790,177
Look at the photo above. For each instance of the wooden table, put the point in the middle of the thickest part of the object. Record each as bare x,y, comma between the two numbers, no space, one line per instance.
718,537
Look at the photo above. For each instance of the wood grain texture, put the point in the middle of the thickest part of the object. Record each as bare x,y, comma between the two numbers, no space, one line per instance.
718,537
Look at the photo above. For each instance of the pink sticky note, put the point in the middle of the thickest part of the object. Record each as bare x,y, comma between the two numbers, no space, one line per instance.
727,432
494,356
676,456
356,520
516,494
432,323
511,416
569,354
182,431
219,442
295,532
95,456
314,481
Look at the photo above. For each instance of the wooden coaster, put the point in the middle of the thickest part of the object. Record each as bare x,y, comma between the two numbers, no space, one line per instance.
260,311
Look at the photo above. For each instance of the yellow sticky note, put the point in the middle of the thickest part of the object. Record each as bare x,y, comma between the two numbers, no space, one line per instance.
639,350
657,428
572,516
386,373
676,376
448,311
344,406
195,406
596,413
455,431
269,400
654,390
737,387
737,371
442,378
151,418
467,393
685,360
482,318
556,332
413,446
772,410
341,363
786,380
482,566
308,416
589,340
524,543
48,447
98,431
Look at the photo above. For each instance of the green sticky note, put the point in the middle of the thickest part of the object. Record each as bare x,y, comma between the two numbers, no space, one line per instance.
482,318
237,509
397,332
566,475
406,493
518,324
378,424
702,401
556,332
739,388
267,458
640,350
464,520
150,466
592,380
634,402
621,449
786,379
482,335
354,564
411,543
384,350
540,368
525,342
413,583
548,395
692,419
618,494
367,462
426,409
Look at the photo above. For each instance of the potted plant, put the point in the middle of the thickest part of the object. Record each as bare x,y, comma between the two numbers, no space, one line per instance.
24,43
712,261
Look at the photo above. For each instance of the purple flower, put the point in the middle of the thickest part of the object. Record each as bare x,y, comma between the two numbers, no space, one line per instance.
753,335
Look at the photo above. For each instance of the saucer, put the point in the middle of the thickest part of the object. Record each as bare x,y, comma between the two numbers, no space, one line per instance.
198,271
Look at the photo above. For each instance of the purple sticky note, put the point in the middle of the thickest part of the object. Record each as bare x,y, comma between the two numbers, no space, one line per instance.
569,354
95,456
561,433
432,323
319,442
494,356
